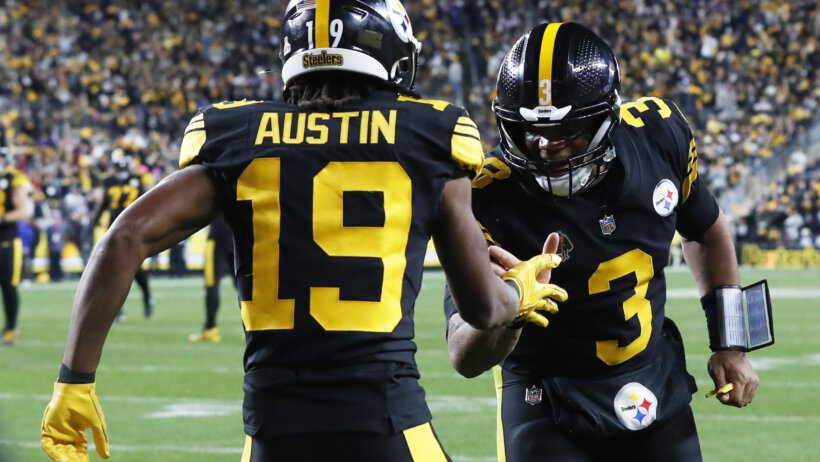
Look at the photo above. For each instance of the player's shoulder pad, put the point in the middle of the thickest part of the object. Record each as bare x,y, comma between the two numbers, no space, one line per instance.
212,123
454,124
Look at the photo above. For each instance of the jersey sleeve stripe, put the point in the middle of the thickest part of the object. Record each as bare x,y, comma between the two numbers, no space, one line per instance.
466,121
467,131
467,152
192,143
193,130
692,171
487,236
475,136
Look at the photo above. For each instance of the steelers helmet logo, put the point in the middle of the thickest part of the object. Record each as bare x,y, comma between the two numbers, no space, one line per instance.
4,183
665,197
636,406
400,20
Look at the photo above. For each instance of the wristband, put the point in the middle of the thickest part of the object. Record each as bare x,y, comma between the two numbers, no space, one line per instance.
73,377
739,319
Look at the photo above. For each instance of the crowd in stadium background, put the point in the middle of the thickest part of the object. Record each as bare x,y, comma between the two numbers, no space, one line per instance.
80,79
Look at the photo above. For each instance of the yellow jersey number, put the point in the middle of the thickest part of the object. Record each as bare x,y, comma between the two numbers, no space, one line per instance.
640,263
260,183
640,105
122,196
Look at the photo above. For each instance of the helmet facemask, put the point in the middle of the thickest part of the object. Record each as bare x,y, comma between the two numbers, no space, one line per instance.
566,176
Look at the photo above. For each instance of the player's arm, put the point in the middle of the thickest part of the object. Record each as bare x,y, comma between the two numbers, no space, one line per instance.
712,261
177,207
173,210
484,300
21,210
473,351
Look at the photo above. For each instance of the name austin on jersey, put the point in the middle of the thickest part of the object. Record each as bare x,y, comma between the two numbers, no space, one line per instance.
315,128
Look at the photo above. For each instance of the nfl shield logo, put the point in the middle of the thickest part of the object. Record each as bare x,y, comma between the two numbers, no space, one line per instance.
532,395
607,224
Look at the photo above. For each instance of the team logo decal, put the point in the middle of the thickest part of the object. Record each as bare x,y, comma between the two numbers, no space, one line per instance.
636,406
607,224
564,246
400,21
4,183
665,197
532,395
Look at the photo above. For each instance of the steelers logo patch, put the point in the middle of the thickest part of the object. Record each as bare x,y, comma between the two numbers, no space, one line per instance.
665,197
636,406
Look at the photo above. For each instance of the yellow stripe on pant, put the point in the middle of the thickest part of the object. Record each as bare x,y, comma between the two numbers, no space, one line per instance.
209,263
499,432
18,262
424,447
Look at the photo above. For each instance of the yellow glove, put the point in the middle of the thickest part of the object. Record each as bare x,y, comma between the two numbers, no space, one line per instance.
73,409
535,296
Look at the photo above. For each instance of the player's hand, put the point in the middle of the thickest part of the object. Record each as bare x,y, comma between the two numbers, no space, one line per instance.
733,366
73,409
535,295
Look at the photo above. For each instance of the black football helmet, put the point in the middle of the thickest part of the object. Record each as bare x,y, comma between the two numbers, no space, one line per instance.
559,75
372,37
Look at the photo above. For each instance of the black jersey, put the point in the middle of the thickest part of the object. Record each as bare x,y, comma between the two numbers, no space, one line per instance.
120,192
10,179
331,213
615,242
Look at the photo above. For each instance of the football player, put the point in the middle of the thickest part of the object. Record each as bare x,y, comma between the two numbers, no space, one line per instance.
332,197
218,262
610,183
14,207
118,191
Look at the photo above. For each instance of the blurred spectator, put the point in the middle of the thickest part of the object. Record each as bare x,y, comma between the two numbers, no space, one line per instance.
79,80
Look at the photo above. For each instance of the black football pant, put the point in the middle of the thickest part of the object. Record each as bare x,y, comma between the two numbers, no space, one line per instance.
11,263
417,444
537,437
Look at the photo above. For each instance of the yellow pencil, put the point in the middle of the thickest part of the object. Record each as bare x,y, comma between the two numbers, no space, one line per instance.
725,389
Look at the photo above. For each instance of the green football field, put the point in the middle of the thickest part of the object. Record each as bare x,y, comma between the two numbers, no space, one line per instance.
166,399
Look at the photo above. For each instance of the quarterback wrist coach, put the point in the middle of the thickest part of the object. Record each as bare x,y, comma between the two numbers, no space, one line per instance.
73,377
739,318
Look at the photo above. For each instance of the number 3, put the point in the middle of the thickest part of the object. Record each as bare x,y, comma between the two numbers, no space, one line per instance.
638,262
260,183
545,86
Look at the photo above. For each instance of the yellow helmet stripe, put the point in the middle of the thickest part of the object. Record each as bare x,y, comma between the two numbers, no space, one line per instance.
547,46
322,23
